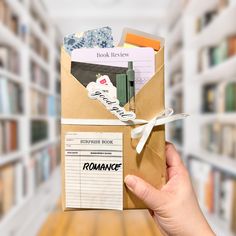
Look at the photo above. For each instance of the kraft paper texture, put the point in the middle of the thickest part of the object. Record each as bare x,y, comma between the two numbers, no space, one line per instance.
151,163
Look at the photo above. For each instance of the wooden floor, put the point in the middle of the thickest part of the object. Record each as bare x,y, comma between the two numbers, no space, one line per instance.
99,223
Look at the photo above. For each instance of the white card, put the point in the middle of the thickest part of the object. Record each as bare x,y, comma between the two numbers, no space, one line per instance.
94,170
143,60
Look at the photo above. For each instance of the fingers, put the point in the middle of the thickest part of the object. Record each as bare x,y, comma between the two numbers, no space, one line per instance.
144,191
172,157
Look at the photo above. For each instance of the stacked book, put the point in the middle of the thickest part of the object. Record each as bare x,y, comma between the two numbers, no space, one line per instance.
9,59
219,97
219,138
216,192
8,136
214,55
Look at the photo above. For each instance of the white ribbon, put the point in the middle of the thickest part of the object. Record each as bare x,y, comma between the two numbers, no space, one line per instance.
142,131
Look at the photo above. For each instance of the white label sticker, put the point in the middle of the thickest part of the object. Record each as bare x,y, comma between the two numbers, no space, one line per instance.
94,170
96,92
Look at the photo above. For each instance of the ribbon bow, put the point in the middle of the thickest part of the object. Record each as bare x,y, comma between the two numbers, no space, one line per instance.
145,130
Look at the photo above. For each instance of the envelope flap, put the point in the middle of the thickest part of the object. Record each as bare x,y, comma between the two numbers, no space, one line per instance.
148,102
75,101
150,99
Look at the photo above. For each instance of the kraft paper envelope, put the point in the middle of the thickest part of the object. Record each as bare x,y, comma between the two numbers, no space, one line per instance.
150,164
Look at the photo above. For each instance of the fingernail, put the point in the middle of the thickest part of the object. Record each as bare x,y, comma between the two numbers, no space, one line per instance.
130,181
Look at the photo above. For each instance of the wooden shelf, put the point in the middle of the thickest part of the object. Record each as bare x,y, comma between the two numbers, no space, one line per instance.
218,225
39,60
39,145
11,76
36,206
176,34
223,163
219,72
199,7
175,10
221,27
17,7
211,35
9,38
10,157
10,116
40,117
40,89
24,214
176,88
176,61
223,117
35,28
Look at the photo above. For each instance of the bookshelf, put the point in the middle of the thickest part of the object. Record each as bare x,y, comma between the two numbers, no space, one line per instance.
29,57
175,56
218,27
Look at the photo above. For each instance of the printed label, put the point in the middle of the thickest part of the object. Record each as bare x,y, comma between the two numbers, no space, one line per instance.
94,170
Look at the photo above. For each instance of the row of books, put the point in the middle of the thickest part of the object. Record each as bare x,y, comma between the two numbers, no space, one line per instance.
219,138
214,55
175,49
10,97
39,75
58,62
211,14
219,97
9,18
39,131
177,102
58,127
8,136
44,162
175,78
38,19
7,189
9,59
57,105
42,104
176,132
216,192
58,86
182,4
38,46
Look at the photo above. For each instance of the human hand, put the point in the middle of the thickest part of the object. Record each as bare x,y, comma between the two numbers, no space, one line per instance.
174,207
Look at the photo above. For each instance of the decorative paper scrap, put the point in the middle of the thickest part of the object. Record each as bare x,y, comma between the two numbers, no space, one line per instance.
96,38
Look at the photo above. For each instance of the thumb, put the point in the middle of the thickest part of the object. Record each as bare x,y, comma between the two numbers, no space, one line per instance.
151,196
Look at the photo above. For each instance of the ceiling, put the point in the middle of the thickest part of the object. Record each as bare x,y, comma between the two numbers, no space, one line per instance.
76,15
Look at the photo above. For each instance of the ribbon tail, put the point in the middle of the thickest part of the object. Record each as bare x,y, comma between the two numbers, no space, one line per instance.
146,133
146,130
172,118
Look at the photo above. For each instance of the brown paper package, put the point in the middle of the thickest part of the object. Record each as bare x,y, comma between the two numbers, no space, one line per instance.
150,164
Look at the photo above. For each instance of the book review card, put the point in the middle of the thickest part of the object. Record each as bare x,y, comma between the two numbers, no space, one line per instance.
143,60
94,170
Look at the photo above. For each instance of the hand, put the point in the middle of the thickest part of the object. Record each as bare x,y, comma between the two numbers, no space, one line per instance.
174,207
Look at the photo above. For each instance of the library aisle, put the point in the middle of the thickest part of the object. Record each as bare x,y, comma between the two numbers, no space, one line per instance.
200,80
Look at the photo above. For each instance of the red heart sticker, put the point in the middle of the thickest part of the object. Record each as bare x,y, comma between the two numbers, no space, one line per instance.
103,81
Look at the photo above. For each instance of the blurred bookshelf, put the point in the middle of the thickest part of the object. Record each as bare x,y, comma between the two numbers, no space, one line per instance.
29,112
202,82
